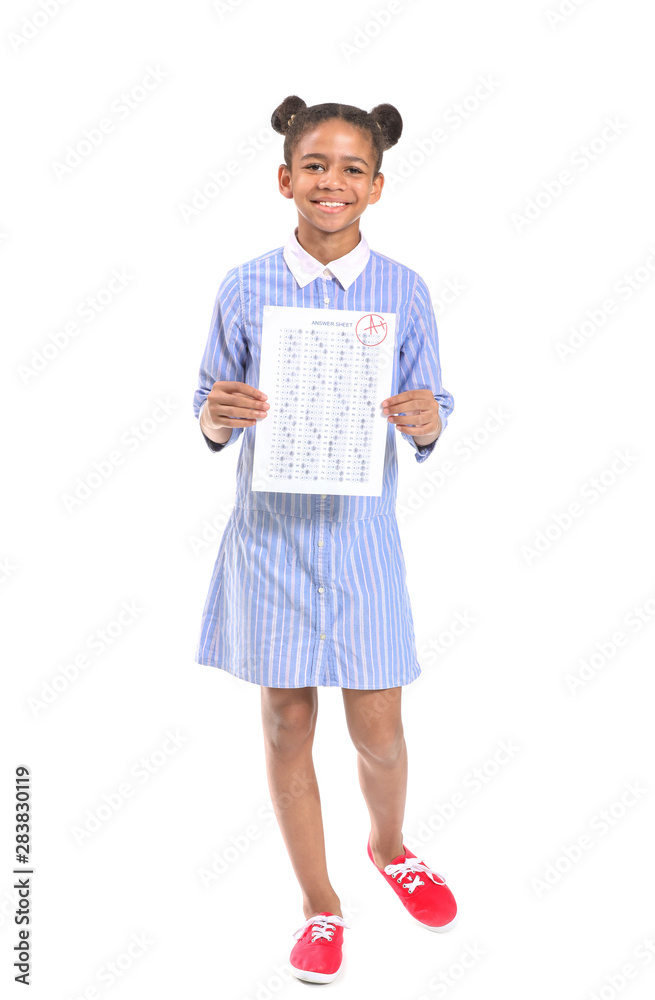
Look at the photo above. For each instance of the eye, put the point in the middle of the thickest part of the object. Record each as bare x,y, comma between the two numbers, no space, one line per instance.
310,165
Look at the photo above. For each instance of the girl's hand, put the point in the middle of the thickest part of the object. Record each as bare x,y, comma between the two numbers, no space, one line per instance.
235,404
419,409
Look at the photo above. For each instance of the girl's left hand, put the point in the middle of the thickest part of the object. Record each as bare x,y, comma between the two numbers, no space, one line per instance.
418,407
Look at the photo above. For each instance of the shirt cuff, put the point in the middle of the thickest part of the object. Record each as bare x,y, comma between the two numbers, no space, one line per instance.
421,451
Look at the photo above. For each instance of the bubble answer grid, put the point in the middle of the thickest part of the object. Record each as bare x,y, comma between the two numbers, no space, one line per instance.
324,399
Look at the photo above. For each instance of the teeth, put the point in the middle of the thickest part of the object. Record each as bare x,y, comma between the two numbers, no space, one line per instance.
332,204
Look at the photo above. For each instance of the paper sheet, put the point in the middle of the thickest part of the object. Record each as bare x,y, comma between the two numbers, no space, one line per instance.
325,372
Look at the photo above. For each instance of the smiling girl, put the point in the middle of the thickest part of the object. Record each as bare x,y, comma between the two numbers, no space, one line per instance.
309,590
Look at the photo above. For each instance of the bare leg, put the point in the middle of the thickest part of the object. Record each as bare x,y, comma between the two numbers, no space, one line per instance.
289,722
376,729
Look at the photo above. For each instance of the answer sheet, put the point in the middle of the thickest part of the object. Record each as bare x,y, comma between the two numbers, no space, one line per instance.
325,373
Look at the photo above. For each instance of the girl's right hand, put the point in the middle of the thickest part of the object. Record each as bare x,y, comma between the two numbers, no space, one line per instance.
235,404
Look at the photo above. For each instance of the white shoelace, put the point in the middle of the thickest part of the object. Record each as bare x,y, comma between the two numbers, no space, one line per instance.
324,927
407,869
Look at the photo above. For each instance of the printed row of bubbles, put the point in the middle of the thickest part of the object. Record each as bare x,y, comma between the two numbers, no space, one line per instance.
319,400
291,350
287,456
334,331
308,412
305,470
280,438
335,374
327,383
341,380
367,364
312,462
284,455
313,427
310,423
335,352
357,478
284,407
317,431
336,355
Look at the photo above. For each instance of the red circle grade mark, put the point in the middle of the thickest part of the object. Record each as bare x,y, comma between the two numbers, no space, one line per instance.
371,330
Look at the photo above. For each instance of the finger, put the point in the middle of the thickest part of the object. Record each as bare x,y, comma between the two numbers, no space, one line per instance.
240,388
231,422
408,416
404,415
409,406
240,421
239,416
408,394
417,425
243,399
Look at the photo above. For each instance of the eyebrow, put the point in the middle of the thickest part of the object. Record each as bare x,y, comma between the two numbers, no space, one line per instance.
321,156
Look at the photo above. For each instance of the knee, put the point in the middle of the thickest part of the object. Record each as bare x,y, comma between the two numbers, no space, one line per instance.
288,727
383,746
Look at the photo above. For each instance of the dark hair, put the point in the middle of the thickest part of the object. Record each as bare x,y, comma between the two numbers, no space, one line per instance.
383,125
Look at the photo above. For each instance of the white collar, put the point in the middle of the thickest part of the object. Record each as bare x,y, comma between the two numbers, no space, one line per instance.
306,268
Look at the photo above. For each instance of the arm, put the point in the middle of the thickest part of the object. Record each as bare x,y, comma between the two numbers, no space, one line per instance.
420,367
224,359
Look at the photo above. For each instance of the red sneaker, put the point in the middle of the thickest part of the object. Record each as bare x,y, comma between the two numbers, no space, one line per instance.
422,892
316,955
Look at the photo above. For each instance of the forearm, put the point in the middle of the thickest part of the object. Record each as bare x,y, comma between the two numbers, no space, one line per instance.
217,434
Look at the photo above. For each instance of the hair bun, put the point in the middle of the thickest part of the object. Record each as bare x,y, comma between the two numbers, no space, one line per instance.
280,117
389,122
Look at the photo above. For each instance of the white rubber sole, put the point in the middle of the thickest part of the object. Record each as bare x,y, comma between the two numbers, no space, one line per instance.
314,977
444,927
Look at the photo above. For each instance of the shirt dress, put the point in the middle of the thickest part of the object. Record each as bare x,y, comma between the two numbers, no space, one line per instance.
310,589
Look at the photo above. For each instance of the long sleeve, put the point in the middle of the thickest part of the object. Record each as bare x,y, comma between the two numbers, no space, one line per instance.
419,366
224,357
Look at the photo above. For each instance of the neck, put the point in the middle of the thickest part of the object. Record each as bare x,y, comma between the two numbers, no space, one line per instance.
327,246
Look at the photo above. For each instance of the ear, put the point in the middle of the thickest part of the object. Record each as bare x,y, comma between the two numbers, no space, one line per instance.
284,181
376,189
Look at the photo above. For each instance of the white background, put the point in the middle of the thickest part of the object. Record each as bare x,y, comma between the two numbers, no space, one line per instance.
470,541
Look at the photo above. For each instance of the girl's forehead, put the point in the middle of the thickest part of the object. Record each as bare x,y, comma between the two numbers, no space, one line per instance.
333,130
334,138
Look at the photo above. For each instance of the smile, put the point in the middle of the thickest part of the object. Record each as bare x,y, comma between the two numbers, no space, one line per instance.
331,206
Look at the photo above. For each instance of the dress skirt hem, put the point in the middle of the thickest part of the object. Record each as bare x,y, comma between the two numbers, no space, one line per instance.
413,675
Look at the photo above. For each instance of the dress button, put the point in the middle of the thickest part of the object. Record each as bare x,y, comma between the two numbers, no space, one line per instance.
321,589
323,496
322,635
327,301
326,272
321,542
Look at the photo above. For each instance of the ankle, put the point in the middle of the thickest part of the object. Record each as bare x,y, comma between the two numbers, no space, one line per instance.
384,850
329,904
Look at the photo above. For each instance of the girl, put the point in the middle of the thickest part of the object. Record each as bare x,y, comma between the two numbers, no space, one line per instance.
309,590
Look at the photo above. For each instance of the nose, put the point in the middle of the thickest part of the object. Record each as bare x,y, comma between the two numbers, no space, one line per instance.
330,182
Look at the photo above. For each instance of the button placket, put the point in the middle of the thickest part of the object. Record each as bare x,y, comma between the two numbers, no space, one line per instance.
321,512
326,297
322,566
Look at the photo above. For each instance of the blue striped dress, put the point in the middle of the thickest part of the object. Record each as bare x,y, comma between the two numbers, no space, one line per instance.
310,589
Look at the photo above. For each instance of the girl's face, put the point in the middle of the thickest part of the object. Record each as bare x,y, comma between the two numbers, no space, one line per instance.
333,162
